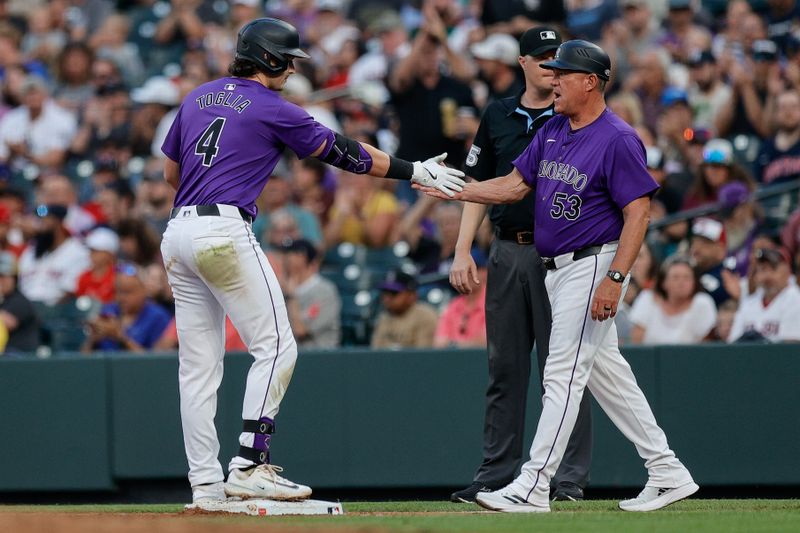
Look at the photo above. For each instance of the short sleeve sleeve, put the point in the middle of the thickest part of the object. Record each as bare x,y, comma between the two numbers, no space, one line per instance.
527,163
172,143
626,172
298,130
481,161
737,328
642,308
704,317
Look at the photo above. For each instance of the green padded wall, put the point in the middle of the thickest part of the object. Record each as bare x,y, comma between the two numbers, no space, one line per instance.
354,418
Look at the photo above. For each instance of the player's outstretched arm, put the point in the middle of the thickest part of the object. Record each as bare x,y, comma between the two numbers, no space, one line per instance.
504,190
362,158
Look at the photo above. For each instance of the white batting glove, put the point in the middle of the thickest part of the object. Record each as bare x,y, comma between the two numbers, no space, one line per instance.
430,173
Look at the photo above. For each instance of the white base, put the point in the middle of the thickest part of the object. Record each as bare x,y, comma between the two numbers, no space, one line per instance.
267,507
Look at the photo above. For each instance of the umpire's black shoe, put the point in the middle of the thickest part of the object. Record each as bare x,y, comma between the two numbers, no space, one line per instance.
567,491
468,494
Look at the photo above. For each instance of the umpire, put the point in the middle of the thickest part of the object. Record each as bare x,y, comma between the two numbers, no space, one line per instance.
517,306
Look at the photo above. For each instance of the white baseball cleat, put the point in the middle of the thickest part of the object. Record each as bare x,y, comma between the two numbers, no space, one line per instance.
506,500
263,481
209,492
653,498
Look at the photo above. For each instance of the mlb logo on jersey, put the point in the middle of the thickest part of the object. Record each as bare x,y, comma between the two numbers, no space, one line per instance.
544,35
230,86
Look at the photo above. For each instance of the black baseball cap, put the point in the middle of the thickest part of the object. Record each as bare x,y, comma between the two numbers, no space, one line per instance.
701,57
51,210
765,50
398,281
538,40
303,246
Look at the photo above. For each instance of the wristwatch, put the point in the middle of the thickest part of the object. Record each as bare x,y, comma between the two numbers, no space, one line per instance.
616,275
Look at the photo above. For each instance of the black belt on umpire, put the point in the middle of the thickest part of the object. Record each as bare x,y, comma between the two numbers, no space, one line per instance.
210,211
519,237
553,263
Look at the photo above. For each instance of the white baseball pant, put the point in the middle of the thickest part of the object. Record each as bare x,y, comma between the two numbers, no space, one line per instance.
215,267
584,352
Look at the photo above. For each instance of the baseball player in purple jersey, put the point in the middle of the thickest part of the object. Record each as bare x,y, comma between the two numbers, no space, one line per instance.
587,169
227,137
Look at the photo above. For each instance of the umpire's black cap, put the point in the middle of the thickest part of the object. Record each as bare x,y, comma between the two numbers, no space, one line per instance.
538,40
581,56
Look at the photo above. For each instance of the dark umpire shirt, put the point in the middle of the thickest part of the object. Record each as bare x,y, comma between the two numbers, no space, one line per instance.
505,131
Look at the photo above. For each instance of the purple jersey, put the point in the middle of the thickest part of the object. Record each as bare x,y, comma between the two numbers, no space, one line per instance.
228,136
585,178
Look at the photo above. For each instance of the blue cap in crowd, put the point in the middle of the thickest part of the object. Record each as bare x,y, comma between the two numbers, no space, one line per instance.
674,95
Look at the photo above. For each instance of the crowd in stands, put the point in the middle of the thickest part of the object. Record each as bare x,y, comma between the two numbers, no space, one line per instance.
89,88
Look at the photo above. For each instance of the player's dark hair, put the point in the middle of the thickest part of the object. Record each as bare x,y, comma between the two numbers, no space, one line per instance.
242,68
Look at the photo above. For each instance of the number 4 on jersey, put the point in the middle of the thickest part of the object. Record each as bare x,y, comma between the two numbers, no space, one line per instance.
208,144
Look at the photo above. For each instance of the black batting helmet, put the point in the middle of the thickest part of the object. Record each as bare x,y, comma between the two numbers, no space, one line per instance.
581,56
267,38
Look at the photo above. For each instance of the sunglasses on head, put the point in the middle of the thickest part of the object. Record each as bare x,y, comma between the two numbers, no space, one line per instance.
715,157
769,255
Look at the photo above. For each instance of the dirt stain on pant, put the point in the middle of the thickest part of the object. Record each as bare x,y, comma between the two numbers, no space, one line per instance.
219,266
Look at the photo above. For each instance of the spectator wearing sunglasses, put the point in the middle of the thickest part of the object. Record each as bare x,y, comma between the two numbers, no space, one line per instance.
132,322
717,169
50,265
771,312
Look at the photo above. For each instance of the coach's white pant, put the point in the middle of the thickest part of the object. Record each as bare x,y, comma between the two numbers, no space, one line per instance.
216,267
585,352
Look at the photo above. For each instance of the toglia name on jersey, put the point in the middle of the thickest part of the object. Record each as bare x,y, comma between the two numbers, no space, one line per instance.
224,99
563,172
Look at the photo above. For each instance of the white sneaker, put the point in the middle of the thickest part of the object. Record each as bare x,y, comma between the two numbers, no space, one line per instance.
209,492
263,481
506,500
652,498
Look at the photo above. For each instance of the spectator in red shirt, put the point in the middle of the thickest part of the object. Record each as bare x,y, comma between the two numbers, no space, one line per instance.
98,281
463,322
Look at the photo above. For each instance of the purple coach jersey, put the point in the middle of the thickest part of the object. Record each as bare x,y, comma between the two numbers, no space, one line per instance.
228,136
582,179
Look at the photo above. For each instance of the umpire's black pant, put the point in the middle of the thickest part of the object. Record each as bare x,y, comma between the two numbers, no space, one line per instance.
517,315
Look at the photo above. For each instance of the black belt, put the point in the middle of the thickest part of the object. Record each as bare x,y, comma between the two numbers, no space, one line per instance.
211,211
519,237
550,262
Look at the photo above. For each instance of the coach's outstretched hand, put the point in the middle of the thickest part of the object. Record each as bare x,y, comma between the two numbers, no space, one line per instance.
431,173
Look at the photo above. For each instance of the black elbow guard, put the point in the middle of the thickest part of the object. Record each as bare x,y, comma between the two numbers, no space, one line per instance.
347,154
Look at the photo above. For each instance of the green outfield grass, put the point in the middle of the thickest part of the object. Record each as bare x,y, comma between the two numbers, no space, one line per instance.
591,516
